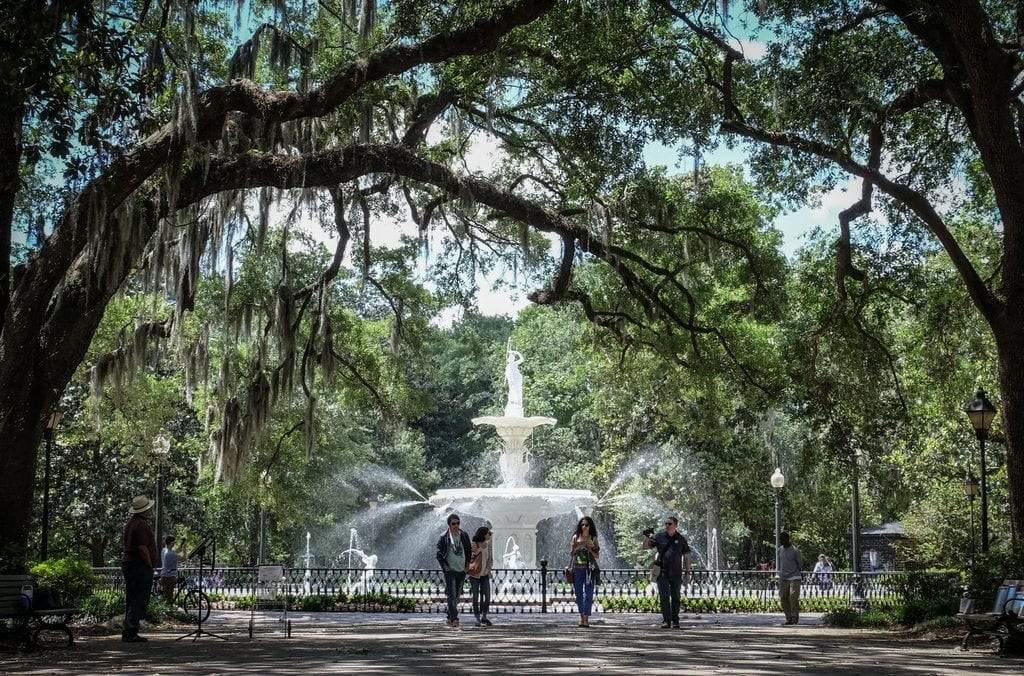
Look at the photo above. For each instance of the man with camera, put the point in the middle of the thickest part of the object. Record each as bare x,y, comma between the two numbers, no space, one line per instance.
673,559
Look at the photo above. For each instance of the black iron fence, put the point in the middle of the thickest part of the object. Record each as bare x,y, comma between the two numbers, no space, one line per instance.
541,590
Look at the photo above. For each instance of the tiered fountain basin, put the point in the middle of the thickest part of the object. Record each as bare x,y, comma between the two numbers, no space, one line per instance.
514,511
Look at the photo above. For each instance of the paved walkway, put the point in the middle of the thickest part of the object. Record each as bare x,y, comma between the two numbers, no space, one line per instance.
523,644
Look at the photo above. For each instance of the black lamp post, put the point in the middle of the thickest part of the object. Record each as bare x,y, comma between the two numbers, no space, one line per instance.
778,480
855,516
971,491
981,412
161,448
51,427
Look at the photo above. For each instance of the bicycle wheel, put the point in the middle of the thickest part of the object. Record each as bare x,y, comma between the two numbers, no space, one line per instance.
196,605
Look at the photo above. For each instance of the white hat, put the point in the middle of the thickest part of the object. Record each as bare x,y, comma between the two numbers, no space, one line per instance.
140,504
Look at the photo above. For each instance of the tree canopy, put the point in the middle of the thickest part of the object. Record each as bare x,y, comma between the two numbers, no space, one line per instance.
278,179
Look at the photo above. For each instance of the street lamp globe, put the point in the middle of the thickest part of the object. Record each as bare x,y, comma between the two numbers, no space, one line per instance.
54,420
778,479
971,486
981,412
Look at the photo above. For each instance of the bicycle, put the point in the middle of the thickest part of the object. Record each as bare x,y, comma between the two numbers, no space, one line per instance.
192,600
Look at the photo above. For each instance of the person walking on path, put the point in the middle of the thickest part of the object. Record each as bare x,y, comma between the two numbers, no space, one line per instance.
674,559
138,557
584,549
479,572
791,566
453,552
169,559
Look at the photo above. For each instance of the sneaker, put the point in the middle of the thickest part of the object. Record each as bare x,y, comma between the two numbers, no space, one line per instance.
675,625
666,625
479,622
134,639
485,621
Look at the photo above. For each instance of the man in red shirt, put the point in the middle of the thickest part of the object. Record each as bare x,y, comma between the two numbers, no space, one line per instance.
138,557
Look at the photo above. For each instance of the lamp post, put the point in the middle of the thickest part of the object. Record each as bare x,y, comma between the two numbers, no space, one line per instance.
51,427
857,597
855,516
971,491
981,412
161,448
778,480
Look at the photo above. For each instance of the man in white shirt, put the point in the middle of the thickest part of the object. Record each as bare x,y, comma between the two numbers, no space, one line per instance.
790,571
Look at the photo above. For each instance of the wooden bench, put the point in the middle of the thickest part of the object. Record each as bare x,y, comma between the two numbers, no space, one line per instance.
24,624
1004,622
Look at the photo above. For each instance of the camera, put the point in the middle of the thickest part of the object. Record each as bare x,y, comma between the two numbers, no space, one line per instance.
648,532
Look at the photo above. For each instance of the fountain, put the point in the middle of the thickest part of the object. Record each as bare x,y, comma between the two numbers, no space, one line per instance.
514,509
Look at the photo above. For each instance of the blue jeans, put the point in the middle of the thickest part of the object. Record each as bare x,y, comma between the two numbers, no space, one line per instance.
480,590
138,584
453,582
584,591
668,593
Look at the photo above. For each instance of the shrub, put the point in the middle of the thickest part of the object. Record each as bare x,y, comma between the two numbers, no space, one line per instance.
103,604
841,617
70,578
849,617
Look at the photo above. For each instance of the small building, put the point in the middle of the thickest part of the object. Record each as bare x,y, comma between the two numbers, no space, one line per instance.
881,547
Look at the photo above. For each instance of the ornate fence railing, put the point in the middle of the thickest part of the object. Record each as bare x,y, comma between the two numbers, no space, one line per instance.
542,590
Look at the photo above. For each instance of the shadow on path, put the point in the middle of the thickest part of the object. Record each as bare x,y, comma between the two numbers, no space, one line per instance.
421,644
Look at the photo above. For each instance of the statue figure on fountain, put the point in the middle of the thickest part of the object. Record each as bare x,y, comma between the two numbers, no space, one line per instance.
369,565
514,407
512,557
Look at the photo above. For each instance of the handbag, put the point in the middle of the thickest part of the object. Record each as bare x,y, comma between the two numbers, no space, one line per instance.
475,564
595,573
568,574
655,572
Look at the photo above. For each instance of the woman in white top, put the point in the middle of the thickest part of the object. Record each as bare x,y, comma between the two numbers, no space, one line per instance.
479,572
823,570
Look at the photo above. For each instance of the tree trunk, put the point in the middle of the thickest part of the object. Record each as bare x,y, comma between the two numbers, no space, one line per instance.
1011,383
10,158
98,550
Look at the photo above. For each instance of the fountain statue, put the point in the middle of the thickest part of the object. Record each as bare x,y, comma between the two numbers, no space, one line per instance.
512,558
514,509
369,565
514,406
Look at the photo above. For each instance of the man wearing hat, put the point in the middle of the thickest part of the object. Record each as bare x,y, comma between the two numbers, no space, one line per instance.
138,557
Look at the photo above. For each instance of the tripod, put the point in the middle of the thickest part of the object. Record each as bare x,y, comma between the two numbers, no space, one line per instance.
200,551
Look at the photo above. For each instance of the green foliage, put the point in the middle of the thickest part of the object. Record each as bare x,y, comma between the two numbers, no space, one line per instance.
71,578
988,571
849,617
103,604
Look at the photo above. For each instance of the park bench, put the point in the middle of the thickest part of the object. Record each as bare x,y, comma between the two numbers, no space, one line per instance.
21,622
1005,622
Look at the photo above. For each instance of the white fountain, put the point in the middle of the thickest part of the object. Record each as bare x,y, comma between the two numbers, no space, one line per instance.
514,509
